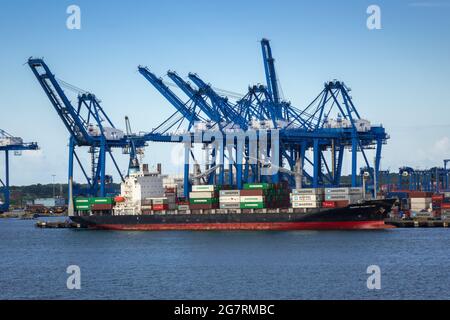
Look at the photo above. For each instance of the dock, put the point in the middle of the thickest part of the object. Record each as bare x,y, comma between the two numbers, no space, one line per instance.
58,225
419,223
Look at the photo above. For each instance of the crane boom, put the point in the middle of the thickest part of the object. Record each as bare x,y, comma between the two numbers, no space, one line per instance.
168,94
195,96
227,111
59,100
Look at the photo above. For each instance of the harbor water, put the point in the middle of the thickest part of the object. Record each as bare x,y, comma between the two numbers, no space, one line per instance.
414,264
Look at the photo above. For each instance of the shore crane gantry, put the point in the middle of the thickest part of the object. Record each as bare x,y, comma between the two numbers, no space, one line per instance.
10,143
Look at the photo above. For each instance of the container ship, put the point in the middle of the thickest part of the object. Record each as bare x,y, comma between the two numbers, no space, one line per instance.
147,202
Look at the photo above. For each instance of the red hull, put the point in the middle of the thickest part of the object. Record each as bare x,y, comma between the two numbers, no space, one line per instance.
345,225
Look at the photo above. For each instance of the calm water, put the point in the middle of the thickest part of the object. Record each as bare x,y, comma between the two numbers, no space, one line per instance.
415,264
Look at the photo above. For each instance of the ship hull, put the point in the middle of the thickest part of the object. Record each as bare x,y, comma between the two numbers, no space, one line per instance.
368,216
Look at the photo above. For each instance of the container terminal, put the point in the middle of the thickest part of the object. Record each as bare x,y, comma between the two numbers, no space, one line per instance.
270,165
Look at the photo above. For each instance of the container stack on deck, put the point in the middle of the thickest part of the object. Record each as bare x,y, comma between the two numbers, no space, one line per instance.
307,198
94,204
203,197
310,198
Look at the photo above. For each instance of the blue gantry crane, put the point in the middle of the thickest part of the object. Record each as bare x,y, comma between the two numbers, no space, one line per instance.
89,126
327,127
313,139
9,143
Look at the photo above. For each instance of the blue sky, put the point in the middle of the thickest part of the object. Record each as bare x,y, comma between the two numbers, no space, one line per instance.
400,74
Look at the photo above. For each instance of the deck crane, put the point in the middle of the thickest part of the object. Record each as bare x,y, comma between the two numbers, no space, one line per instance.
10,143
88,126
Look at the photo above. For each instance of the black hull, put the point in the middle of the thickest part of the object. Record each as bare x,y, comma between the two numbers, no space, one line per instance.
367,215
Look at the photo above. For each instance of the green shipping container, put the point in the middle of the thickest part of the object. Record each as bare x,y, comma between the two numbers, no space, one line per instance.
102,200
82,201
204,201
253,186
82,207
252,205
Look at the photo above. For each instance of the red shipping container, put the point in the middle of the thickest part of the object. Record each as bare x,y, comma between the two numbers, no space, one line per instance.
203,206
101,207
160,207
445,205
329,204
246,193
437,197
420,194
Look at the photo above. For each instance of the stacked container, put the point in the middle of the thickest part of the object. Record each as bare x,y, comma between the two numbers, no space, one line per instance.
94,204
230,199
146,206
203,197
436,204
420,200
445,208
307,198
170,194
82,204
102,204
342,197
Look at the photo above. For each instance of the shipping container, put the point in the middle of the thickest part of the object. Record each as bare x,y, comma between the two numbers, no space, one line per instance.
228,205
203,206
204,201
252,205
246,199
230,193
230,199
343,191
306,204
253,186
160,200
247,193
102,200
308,191
83,207
202,194
329,204
160,207
204,187
306,197
101,207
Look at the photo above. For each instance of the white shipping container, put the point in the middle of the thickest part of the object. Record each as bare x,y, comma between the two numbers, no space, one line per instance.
309,191
230,205
343,191
230,193
198,195
306,197
203,187
338,197
252,199
306,204
420,201
230,199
